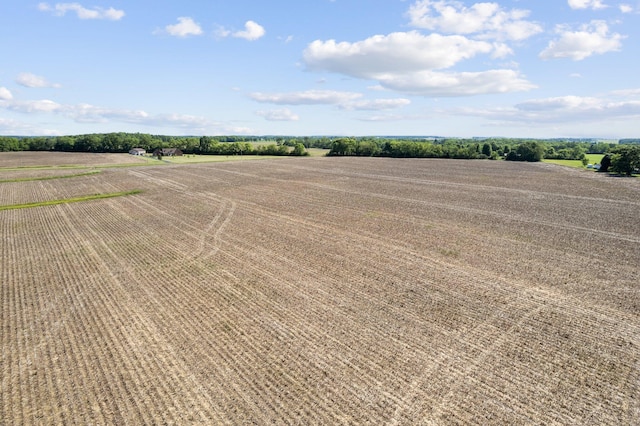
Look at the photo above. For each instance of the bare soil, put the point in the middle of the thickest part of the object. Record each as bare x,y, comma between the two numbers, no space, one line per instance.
322,291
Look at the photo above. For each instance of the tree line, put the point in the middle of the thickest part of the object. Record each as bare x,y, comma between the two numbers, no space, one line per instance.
621,158
510,149
124,142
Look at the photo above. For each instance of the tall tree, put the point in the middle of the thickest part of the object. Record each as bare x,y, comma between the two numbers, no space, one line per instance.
626,159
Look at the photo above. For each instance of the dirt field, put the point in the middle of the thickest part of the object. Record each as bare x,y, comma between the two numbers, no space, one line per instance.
321,291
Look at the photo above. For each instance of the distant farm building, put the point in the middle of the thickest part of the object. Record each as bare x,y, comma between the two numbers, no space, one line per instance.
137,151
167,152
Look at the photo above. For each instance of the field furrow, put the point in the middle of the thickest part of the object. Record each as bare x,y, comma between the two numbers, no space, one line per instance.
321,291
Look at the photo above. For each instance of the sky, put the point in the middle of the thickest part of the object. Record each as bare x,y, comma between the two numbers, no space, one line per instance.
510,68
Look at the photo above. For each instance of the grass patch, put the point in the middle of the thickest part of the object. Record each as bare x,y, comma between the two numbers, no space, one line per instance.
70,200
594,158
49,177
569,163
195,158
577,164
317,152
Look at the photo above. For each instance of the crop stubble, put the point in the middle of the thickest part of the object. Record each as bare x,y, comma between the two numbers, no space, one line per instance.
324,291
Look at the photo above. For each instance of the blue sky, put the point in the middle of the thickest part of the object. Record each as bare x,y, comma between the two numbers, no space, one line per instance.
516,68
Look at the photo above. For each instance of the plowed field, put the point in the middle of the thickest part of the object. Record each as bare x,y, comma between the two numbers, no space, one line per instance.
321,291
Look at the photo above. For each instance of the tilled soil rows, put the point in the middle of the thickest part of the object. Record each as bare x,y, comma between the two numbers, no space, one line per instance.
322,291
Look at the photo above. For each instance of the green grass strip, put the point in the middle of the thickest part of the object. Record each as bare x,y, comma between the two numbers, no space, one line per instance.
49,177
70,200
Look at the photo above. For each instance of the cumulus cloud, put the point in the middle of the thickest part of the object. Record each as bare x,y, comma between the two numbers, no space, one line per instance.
486,20
589,39
410,62
560,103
278,115
564,109
376,104
60,9
86,113
627,93
252,31
586,4
184,28
27,79
309,97
388,118
14,127
5,94
579,108
44,105
626,8
443,84
399,52
343,100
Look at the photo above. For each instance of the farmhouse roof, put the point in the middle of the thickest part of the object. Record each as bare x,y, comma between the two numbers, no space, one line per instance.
167,151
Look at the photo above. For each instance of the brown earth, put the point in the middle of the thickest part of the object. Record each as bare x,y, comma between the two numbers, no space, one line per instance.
322,291
34,159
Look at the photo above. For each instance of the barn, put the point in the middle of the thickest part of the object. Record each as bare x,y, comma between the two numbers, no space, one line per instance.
138,151
167,152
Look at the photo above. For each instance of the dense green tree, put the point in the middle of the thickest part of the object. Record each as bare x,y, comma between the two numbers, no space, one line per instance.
486,149
8,143
88,143
64,143
299,150
204,144
530,151
626,159
343,146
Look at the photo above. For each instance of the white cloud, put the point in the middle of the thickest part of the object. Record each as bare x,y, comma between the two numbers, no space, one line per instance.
586,4
388,118
43,105
309,97
60,9
560,103
252,31
34,81
86,113
442,84
400,52
590,39
501,50
488,20
14,127
278,115
406,62
563,110
5,94
185,27
626,8
343,100
222,32
578,108
376,104
627,93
